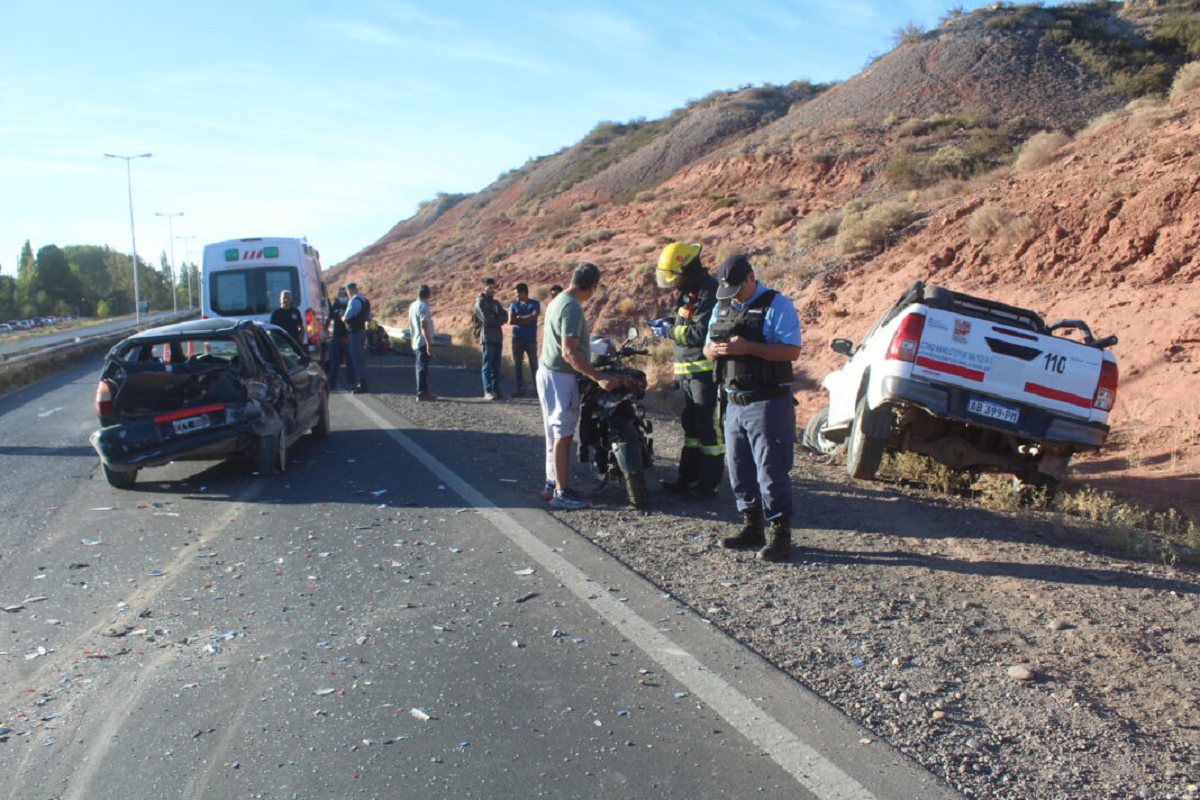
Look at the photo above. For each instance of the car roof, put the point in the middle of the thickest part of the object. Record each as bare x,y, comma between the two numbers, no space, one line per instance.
195,327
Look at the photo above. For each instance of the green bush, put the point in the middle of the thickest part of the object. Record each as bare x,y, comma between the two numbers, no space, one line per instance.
909,33
724,202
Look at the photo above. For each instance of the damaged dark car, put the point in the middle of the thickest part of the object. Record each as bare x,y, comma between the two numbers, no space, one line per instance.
206,390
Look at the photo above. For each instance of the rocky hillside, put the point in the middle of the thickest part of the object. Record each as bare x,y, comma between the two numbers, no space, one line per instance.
1018,152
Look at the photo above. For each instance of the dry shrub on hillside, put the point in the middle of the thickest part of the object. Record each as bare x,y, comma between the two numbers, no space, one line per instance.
773,217
1147,113
987,221
817,227
767,192
666,213
1004,229
627,306
872,229
577,243
1040,149
728,250
1105,120
1186,79
644,196
557,220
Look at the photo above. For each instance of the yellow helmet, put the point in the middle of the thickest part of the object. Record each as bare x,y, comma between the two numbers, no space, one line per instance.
671,263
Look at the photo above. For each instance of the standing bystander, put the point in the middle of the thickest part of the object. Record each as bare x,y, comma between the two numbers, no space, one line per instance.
358,312
339,343
288,318
489,316
566,351
420,327
523,316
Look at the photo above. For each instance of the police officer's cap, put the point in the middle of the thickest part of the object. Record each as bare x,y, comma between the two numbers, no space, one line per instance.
731,275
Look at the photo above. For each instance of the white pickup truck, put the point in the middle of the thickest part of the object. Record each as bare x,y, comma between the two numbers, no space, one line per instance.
974,384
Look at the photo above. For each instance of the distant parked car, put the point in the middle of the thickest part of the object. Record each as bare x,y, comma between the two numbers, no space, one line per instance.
203,390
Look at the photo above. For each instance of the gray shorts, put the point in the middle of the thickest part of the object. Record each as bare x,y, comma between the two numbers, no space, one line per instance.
558,393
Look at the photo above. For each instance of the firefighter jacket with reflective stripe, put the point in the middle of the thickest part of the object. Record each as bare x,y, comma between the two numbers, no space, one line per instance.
689,325
747,373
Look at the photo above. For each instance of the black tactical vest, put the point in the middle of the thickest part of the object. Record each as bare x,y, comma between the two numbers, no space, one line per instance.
747,373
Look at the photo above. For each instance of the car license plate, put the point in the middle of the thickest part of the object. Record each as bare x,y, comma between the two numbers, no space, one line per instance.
994,410
191,424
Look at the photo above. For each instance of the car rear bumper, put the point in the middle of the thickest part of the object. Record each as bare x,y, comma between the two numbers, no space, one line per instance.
136,443
1036,424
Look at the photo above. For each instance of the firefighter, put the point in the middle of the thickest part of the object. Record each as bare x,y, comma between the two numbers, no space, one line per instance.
700,463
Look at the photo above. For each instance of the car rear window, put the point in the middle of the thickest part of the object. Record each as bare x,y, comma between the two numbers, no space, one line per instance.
183,351
244,292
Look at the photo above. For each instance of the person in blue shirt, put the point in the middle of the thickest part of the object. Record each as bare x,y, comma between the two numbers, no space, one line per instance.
523,316
754,336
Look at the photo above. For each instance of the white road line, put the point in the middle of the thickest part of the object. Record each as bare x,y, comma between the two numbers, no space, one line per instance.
813,771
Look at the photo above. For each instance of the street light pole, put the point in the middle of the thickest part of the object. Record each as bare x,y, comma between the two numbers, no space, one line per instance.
187,250
137,295
171,237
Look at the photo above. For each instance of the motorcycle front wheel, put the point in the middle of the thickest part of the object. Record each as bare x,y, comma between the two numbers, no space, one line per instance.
635,487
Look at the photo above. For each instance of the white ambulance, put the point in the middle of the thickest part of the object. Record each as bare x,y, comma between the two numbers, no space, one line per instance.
242,279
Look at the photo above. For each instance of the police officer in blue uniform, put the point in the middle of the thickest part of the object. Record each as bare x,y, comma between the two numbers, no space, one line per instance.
754,336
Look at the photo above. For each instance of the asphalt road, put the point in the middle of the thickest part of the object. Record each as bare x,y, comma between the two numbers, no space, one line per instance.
374,622
51,336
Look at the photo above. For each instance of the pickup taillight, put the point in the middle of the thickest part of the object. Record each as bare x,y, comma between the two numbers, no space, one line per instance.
104,398
907,339
1106,390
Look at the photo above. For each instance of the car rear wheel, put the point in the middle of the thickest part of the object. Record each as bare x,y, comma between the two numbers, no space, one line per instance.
322,428
120,479
864,453
271,454
814,440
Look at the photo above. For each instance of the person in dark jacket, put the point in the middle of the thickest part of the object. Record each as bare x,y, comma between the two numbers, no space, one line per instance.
288,318
339,343
700,463
490,316
358,312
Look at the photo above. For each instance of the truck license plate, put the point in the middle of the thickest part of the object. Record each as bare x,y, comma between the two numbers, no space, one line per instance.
191,424
994,410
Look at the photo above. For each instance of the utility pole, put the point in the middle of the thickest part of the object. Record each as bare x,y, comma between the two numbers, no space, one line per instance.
187,250
171,238
137,294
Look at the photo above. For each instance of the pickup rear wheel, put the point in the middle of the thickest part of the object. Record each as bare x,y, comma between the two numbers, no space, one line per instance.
814,440
864,453
120,479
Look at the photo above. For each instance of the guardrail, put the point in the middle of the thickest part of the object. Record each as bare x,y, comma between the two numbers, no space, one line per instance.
32,360
401,339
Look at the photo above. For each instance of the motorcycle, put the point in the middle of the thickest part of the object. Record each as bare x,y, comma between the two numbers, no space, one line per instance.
614,433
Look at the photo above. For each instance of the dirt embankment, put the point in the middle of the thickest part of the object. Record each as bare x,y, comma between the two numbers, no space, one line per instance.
1104,231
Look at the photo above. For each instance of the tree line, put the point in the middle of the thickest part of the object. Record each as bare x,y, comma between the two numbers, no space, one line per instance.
88,281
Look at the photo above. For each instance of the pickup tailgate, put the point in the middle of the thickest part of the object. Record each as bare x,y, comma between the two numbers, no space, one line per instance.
1007,363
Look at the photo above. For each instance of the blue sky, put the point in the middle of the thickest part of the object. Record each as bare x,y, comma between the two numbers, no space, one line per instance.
332,120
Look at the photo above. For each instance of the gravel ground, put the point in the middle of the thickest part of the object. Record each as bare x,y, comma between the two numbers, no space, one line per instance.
1009,653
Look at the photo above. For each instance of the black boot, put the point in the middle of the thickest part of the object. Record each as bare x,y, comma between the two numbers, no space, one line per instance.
751,534
779,541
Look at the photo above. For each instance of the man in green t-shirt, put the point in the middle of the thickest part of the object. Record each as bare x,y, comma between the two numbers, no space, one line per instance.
566,350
